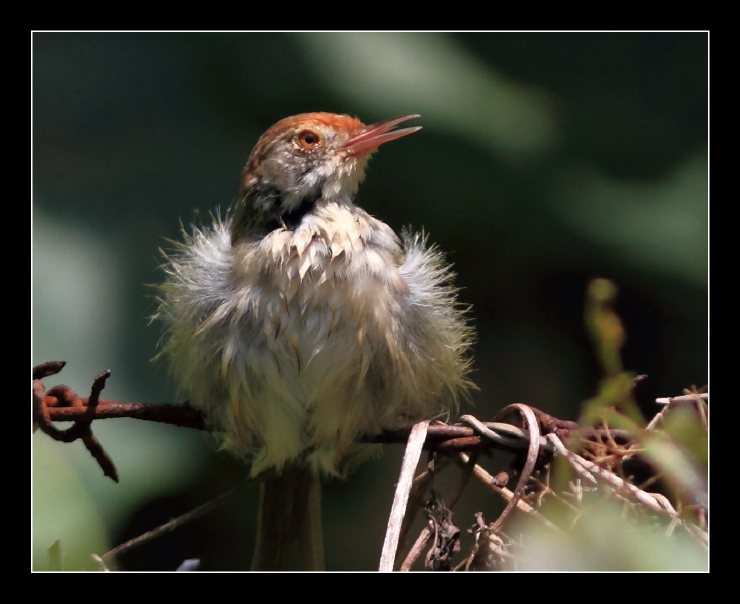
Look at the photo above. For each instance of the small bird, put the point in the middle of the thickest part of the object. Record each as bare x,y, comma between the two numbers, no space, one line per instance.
299,322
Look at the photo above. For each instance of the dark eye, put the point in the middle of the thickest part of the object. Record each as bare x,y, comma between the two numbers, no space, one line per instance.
308,139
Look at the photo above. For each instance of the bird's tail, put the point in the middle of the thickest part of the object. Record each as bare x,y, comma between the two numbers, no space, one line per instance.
289,523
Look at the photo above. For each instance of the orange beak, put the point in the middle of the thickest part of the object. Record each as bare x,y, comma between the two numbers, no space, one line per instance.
377,134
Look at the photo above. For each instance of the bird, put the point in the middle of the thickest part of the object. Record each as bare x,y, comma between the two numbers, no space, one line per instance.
297,323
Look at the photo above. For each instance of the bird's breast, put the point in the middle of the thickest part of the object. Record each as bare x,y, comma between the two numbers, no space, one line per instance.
337,255
301,339
330,286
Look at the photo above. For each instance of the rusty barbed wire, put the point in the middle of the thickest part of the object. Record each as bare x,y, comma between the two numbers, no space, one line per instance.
534,441
64,396
61,403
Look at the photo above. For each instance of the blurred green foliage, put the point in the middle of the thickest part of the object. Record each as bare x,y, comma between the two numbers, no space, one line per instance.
604,539
546,159
608,528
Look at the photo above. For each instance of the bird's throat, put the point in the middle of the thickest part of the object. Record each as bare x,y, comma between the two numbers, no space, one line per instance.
292,218
263,210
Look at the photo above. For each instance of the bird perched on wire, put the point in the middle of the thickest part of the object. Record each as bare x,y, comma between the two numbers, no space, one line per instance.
299,322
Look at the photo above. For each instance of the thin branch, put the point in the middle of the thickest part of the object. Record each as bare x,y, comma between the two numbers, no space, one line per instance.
175,523
684,398
422,483
99,561
426,533
491,483
398,510
700,399
417,549
580,469
583,466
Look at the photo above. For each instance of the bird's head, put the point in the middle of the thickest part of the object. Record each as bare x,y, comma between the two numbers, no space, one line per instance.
302,159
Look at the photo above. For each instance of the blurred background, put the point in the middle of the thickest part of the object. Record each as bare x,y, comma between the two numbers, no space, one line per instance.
546,159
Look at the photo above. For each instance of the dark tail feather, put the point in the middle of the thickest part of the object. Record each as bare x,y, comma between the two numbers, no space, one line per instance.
289,522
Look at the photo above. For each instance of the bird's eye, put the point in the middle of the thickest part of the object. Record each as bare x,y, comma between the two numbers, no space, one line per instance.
308,139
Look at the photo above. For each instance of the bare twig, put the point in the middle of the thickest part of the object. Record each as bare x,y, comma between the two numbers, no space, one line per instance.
490,482
426,533
398,510
417,548
698,398
422,483
174,523
583,467
684,398
560,448
488,548
99,561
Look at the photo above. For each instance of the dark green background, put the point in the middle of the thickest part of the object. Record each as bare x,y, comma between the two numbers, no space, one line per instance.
546,159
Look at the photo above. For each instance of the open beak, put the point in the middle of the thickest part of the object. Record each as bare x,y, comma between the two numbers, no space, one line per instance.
377,134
